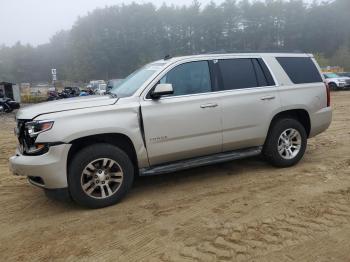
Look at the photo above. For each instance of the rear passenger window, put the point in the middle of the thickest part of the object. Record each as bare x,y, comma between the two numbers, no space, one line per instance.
301,70
237,73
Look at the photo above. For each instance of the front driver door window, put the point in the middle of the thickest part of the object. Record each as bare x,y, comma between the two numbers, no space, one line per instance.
189,78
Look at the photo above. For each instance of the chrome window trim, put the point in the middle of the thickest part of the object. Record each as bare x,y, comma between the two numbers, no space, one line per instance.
163,72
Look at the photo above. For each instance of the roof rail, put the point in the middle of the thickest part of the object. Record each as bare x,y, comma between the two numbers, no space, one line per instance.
253,51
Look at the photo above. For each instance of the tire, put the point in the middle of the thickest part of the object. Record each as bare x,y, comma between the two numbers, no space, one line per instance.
333,86
8,109
100,167
286,142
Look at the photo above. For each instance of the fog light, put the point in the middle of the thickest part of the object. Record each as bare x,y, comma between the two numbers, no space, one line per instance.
37,149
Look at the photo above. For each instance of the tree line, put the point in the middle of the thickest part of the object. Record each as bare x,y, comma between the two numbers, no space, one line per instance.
112,42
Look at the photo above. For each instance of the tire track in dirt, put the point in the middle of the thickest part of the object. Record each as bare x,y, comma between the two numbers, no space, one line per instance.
260,237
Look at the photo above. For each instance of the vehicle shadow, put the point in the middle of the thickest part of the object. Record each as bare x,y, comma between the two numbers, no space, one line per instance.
235,167
147,184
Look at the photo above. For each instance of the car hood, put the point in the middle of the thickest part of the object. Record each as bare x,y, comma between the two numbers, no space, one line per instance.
33,111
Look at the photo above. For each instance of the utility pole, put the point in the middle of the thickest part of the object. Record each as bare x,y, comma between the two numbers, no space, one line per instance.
54,77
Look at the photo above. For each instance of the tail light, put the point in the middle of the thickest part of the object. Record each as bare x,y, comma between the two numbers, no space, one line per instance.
328,95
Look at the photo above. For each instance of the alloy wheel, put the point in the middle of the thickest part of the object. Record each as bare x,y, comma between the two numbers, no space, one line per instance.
101,178
289,143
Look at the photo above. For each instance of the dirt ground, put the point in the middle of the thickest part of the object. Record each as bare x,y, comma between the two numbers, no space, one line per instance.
239,211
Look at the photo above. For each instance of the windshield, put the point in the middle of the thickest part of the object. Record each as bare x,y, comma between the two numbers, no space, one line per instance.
331,75
134,81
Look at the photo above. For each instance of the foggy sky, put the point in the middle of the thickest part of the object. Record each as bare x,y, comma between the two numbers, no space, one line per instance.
35,21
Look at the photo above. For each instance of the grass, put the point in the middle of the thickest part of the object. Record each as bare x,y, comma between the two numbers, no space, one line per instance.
33,99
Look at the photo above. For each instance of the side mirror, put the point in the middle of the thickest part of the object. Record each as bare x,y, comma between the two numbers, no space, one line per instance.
162,90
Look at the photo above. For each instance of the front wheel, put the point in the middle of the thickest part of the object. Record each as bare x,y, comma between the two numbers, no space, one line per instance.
100,175
333,86
286,142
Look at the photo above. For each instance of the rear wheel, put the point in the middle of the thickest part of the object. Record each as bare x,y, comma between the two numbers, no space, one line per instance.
286,142
100,175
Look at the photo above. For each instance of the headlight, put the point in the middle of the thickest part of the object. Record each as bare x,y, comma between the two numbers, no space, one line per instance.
32,129
36,127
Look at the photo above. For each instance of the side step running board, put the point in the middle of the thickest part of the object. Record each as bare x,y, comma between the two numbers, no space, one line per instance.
200,161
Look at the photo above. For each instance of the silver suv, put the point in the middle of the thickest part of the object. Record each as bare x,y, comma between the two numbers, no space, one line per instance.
336,82
170,115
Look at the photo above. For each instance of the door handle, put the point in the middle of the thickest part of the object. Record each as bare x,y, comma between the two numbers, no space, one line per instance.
209,105
266,98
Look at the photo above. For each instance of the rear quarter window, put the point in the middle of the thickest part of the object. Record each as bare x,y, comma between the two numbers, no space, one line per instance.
301,70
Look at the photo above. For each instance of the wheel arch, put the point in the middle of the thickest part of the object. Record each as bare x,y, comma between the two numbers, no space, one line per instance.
332,83
300,115
119,140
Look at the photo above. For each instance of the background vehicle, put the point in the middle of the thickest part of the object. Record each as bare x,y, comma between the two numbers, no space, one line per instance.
7,105
101,89
170,115
71,91
53,95
94,84
337,82
344,74
67,92
113,83
86,92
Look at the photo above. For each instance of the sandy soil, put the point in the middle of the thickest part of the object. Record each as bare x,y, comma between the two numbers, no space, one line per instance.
239,211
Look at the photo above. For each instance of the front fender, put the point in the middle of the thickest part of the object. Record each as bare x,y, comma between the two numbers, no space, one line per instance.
74,124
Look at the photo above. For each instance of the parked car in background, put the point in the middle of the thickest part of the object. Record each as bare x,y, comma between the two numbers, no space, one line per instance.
7,104
337,82
67,92
101,89
71,91
113,83
52,95
86,92
95,83
346,74
173,114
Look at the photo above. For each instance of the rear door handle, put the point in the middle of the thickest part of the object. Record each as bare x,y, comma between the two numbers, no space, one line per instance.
209,105
266,98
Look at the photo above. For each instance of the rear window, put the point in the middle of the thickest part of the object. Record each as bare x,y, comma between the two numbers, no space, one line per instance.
301,70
